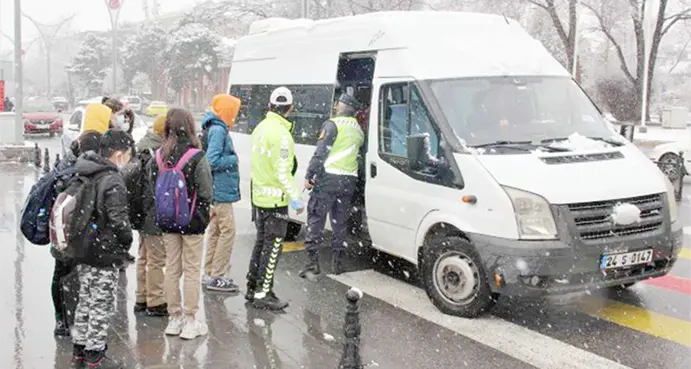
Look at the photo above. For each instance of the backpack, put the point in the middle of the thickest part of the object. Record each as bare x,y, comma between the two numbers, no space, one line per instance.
35,216
136,183
174,209
72,226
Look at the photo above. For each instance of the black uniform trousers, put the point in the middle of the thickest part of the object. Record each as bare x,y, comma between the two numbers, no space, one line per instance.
272,225
338,206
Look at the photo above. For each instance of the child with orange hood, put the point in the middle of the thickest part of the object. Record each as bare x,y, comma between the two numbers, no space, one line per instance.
226,178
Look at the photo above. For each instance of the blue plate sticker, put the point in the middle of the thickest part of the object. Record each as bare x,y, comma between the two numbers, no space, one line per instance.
603,262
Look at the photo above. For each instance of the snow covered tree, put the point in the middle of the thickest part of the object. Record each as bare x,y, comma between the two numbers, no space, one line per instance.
91,63
191,53
143,53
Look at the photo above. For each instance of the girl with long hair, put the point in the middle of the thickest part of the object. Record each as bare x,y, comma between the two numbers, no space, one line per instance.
183,239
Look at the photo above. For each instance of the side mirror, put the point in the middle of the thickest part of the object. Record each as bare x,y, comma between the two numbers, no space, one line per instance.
417,152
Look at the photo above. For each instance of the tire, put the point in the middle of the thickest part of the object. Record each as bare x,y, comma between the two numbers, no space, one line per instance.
293,231
669,165
445,262
622,287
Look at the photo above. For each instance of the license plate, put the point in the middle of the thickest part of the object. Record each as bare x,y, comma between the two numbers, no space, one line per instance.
613,261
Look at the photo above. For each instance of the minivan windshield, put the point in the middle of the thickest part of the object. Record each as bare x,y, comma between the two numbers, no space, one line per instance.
517,109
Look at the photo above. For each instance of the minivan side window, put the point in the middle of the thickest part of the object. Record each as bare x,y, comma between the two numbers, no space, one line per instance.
403,114
76,119
312,106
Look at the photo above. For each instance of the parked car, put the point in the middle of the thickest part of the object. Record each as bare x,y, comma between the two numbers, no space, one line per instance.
40,117
156,108
133,102
75,126
60,103
667,157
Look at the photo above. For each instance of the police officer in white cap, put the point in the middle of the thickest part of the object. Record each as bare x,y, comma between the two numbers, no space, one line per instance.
273,191
332,177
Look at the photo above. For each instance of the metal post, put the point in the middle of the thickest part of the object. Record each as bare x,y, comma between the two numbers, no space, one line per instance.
305,8
57,161
647,14
37,153
115,58
18,90
46,161
574,65
351,348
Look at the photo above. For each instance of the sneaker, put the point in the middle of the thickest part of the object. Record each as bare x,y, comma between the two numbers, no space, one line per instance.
193,328
269,302
160,310
61,329
205,278
221,285
175,324
140,307
249,295
99,360
78,356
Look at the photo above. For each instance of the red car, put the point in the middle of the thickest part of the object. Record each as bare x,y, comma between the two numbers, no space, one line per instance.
41,118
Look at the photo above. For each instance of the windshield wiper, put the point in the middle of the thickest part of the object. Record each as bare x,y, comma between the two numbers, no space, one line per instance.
520,146
594,138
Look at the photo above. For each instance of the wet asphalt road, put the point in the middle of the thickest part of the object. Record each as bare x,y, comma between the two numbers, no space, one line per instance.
648,326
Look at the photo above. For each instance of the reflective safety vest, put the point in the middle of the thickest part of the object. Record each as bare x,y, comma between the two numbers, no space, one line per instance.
342,159
273,183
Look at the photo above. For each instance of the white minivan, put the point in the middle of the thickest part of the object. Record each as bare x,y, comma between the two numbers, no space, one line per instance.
487,165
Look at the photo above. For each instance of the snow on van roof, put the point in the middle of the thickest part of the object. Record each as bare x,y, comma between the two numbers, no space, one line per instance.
419,44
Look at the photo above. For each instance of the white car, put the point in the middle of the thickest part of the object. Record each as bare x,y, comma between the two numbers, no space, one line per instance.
667,156
133,102
75,127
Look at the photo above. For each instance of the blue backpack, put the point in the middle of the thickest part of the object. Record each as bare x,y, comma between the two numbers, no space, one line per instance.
174,209
35,216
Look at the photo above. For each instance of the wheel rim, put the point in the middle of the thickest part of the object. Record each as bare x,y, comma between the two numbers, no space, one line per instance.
456,277
669,165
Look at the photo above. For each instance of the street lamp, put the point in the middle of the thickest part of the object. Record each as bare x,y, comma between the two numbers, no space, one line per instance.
48,34
647,34
114,7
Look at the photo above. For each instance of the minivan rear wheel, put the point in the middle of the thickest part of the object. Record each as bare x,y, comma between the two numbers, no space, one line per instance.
455,279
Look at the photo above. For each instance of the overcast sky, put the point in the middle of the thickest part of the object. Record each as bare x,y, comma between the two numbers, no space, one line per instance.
90,14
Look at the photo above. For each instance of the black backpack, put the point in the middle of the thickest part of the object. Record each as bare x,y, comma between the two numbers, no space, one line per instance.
72,222
35,216
137,182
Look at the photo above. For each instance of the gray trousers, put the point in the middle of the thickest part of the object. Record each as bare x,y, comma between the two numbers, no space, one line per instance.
96,306
337,205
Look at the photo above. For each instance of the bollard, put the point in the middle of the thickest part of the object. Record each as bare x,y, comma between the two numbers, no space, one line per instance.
57,161
37,153
46,161
682,172
351,348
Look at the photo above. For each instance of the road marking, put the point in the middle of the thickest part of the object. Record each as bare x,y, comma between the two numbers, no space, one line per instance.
685,254
639,319
519,342
672,283
293,246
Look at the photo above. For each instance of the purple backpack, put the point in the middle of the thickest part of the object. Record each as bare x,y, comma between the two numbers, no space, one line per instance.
174,209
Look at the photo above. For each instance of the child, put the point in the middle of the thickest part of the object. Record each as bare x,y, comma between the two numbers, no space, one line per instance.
152,253
224,169
87,141
184,243
98,268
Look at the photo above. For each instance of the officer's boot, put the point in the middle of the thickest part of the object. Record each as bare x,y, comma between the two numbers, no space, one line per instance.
251,287
312,268
337,261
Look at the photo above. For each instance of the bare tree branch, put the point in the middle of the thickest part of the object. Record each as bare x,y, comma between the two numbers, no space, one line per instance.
610,37
673,19
680,56
537,3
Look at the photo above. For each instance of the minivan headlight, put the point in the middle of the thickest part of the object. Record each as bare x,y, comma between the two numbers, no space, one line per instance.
533,215
671,201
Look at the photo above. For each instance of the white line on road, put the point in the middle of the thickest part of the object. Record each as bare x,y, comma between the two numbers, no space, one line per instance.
518,342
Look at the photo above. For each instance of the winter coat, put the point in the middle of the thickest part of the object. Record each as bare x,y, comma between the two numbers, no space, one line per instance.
146,149
198,177
114,236
222,159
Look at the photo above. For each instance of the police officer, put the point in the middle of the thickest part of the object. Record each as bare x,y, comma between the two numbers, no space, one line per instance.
273,190
332,177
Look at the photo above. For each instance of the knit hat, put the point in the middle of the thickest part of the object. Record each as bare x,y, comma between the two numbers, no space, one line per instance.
226,107
97,118
159,124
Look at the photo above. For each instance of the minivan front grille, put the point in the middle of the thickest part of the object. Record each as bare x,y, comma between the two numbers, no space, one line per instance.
593,220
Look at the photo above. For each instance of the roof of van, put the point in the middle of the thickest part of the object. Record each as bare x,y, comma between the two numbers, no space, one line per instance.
420,44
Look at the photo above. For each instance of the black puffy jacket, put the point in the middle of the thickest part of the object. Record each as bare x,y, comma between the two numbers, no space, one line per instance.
111,216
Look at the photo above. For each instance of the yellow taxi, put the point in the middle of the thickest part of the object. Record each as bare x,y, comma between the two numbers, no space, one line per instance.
156,108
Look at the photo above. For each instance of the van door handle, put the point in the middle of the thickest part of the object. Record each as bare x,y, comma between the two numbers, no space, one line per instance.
373,170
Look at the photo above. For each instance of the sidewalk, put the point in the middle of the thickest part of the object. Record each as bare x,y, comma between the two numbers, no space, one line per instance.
656,135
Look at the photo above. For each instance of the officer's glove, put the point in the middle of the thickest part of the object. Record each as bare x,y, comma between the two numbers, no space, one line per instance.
297,205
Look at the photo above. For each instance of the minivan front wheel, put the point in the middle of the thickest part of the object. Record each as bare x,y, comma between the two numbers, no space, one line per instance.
455,279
